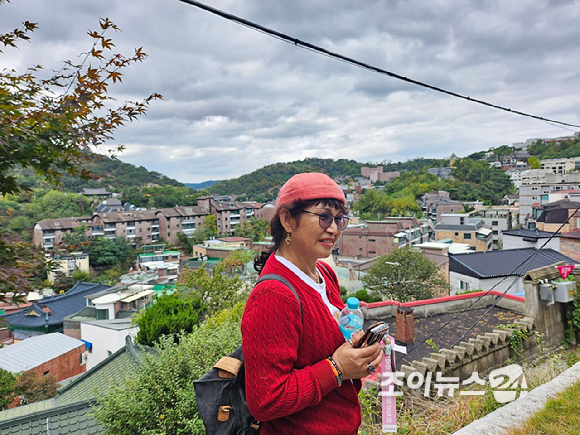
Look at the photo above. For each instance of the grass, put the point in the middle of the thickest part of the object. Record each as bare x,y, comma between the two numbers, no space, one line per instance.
560,416
418,415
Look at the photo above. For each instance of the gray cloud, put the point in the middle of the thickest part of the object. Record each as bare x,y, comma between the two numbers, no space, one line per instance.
236,100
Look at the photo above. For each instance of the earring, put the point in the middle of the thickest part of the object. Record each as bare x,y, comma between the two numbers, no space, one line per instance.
288,239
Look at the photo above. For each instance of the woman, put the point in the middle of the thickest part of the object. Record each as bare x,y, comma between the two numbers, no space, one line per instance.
301,375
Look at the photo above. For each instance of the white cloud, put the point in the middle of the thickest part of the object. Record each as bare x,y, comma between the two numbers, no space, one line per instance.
236,100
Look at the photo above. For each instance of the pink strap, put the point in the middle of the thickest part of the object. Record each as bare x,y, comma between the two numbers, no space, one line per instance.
389,401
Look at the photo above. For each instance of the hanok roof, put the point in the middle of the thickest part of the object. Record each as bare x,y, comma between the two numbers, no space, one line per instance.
57,307
37,350
509,262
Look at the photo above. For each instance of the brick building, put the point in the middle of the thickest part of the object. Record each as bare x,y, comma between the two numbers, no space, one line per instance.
51,354
376,238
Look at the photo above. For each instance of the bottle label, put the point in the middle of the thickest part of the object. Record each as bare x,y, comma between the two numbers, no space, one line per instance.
350,324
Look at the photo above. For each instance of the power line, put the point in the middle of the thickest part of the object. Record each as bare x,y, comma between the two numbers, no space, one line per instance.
494,304
352,61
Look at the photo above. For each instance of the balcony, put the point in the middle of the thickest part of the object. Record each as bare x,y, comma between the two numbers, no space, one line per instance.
187,231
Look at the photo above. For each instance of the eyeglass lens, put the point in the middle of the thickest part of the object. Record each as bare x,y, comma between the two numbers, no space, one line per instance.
326,219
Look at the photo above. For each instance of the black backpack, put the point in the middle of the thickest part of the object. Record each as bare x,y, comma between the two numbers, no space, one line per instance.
221,393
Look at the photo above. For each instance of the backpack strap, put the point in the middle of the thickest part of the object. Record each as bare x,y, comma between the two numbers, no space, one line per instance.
276,277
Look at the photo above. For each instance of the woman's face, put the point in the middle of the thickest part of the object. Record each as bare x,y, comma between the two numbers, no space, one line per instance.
309,239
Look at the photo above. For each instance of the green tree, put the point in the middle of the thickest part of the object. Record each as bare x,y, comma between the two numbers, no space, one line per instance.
7,383
77,237
534,162
237,260
34,388
210,224
253,228
52,125
372,205
217,290
169,315
404,275
104,252
157,397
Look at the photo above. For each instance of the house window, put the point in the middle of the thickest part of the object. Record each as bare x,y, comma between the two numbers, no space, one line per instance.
463,285
456,234
102,314
168,234
372,240
46,373
494,223
467,236
372,252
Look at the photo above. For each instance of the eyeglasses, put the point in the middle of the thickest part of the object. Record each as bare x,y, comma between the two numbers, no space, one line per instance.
325,219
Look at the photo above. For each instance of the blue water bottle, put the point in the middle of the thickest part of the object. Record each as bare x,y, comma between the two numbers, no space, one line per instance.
351,318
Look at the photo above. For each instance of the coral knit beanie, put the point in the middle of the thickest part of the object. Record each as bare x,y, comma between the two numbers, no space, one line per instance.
311,185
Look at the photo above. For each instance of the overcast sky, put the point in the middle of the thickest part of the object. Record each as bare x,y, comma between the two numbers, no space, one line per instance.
235,100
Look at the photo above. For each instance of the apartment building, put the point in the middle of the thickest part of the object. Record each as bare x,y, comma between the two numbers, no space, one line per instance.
376,238
228,214
50,232
377,174
186,220
434,204
461,228
498,219
561,166
538,194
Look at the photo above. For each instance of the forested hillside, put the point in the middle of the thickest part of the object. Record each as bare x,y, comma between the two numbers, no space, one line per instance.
555,150
112,174
263,184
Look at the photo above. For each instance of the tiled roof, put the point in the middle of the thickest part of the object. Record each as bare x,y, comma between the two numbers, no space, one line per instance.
60,306
126,216
536,234
59,224
34,351
69,411
510,262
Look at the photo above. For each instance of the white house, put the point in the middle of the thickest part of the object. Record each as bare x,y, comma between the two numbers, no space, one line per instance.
498,270
104,337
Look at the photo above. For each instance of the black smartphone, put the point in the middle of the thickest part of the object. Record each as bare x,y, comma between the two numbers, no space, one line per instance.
373,334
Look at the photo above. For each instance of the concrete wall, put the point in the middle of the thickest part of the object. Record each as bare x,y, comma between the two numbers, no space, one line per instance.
105,341
500,284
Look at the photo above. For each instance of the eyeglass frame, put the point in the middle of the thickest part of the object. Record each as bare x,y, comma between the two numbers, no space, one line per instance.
335,219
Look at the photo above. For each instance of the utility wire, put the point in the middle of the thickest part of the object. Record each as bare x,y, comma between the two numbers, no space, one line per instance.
500,297
518,276
351,61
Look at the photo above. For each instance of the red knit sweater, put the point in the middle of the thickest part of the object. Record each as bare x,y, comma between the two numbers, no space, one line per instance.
290,386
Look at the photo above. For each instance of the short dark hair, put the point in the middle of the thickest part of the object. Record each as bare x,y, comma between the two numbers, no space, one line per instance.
277,230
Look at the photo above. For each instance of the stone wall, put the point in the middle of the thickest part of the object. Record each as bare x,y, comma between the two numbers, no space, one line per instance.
544,325
482,354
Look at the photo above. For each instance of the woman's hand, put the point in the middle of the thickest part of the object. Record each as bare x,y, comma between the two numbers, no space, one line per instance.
354,363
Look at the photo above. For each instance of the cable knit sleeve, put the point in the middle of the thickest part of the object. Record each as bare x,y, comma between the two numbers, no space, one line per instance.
272,331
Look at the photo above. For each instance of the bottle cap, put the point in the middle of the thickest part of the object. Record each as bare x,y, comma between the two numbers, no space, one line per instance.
352,303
